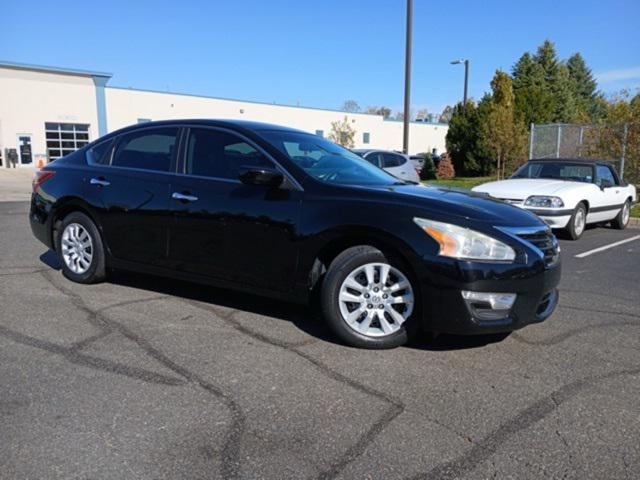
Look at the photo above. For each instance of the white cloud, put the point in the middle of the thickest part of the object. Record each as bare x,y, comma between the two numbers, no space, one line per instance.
610,76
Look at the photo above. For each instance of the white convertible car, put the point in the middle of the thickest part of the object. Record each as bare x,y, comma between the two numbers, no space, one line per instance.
567,193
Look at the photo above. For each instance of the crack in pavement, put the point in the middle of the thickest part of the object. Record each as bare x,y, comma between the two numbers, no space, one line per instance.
229,464
488,446
571,333
30,272
599,294
593,310
106,331
396,407
72,355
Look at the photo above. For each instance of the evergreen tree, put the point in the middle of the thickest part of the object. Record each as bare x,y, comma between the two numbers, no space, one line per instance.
566,104
558,83
534,100
547,58
464,141
584,85
428,171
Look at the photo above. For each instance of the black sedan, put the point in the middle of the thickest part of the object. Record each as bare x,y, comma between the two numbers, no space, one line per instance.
279,212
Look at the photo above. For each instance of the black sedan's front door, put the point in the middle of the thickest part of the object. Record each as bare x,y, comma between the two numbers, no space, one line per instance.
225,229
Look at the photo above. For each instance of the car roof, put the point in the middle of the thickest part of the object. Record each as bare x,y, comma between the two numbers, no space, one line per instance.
590,161
369,150
225,123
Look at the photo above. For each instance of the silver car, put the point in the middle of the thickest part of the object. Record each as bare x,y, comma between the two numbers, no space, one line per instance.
397,164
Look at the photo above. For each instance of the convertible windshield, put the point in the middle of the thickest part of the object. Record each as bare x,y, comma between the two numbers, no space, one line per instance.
327,161
570,172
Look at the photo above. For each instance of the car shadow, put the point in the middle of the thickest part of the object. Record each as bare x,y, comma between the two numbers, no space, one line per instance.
306,318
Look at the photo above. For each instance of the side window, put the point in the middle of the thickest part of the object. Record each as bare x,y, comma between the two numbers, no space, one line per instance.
392,160
373,158
149,149
217,154
100,154
604,173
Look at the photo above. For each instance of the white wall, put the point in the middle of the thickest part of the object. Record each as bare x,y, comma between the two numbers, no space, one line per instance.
28,99
126,106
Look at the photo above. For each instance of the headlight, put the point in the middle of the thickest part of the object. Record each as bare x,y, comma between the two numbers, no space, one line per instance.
543,201
463,243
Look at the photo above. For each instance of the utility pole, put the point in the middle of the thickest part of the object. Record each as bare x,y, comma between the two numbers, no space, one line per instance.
407,77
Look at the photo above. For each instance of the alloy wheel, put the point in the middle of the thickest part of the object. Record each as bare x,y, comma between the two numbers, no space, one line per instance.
376,299
579,221
625,213
77,248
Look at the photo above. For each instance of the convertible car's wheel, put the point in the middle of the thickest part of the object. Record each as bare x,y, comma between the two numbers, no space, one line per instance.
80,249
369,299
578,222
622,219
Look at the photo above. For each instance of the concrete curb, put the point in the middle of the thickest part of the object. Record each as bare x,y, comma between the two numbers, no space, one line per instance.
634,222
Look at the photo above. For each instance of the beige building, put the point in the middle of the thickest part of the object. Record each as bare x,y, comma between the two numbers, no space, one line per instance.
48,112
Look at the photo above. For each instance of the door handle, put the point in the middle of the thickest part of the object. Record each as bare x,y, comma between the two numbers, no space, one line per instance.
183,197
99,181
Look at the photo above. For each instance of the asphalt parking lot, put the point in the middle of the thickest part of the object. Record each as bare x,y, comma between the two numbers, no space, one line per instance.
156,379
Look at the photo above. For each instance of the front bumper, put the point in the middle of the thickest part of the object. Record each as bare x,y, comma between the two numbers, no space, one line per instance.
445,311
555,218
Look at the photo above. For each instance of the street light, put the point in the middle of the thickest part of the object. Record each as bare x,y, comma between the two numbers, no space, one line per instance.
407,77
466,79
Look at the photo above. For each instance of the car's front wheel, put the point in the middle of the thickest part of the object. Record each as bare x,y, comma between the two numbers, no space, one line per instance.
369,299
80,249
578,222
622,219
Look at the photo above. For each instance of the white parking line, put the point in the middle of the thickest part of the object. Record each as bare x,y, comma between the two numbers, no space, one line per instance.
606,247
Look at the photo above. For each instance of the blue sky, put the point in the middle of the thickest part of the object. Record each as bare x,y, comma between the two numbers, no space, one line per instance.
318,53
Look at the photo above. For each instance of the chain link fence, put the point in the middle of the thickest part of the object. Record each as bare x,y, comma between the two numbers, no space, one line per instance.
602,142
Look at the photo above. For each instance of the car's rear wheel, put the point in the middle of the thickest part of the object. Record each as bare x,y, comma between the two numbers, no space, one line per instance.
622,219
80,249
369,299
578,222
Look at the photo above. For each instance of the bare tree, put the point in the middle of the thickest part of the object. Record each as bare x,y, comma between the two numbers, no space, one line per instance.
384,111
350,106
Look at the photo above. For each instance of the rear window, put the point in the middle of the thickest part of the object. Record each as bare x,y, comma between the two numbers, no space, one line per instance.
149,149
391,160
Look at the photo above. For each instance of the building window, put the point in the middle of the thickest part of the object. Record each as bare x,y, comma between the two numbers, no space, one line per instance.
320,133
65,138
144,120
366,137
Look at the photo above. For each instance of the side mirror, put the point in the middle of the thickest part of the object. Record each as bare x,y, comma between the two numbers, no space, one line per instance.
605,184
267,177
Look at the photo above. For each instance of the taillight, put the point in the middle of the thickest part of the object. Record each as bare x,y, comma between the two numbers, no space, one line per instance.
41,177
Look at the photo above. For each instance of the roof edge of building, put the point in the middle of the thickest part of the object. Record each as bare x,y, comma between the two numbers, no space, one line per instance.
59,70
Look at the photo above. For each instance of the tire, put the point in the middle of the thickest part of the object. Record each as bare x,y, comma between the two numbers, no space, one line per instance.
365,327
622,219
576,227
80,249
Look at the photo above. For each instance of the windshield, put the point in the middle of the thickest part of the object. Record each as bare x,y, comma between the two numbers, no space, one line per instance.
327,161
570,172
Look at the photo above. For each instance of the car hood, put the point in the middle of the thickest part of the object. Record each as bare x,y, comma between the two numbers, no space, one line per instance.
462,204
521,188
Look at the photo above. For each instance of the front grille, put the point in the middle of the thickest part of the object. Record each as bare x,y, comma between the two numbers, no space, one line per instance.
546,243
512,201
